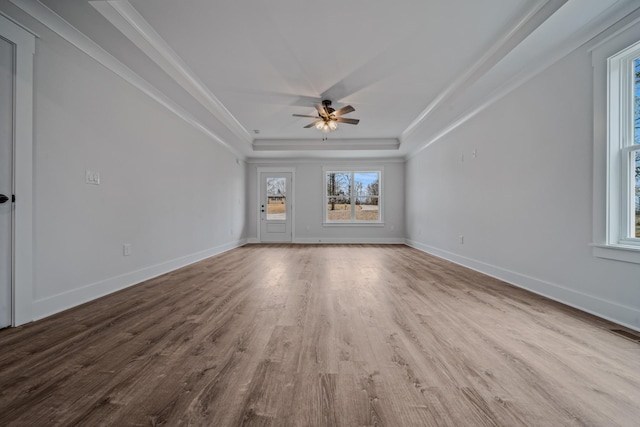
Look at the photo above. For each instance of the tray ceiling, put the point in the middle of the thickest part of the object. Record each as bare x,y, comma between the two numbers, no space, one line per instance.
413,70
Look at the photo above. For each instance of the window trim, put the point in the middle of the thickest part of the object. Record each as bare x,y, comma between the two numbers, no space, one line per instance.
620,144
353,222
610,186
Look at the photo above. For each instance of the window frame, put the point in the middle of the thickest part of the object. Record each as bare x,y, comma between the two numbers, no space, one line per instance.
352,196
613,141
620,144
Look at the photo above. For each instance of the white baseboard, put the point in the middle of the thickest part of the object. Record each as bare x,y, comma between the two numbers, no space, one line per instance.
609,310
342,240
350,240
54,304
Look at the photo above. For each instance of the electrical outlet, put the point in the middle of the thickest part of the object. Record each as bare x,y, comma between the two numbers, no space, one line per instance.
126,249
461,239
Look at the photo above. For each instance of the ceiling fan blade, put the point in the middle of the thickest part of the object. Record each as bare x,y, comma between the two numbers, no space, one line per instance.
310,125
347,121
322,110
344,110
302,115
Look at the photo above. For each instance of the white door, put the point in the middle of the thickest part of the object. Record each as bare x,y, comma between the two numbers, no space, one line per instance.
7,53
275,206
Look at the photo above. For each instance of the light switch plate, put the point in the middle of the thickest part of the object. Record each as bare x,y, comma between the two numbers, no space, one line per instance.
92,177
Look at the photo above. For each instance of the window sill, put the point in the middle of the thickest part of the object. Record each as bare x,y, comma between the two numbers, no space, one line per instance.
625,253
353,224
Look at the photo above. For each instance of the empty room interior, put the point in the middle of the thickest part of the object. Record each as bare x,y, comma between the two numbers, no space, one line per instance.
357,213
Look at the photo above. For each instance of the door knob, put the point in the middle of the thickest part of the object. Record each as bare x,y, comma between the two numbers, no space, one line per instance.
3,198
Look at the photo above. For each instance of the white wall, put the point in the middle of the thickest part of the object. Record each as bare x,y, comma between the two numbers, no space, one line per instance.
308,203
171,192
524,204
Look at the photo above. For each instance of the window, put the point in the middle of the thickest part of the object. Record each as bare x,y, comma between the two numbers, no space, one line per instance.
634,156
623,141
352,196
276,198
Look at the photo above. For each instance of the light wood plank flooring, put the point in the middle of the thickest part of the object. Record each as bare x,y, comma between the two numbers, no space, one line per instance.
306,335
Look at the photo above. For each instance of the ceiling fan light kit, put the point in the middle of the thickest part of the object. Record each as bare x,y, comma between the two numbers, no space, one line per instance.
328,117
327,125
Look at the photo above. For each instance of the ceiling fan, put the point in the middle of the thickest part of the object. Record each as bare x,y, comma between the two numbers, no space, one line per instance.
328,117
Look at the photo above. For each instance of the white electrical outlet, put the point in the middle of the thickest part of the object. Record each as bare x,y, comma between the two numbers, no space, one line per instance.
126,249
92,177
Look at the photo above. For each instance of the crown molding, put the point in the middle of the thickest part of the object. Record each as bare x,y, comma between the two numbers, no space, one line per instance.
19,24
630,20
326,160
598,25
62,28
532,19
123,16
330,144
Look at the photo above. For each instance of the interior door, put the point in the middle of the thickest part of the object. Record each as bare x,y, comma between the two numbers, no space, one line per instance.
275,206
7,66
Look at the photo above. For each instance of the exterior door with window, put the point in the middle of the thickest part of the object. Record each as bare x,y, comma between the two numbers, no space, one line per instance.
275,207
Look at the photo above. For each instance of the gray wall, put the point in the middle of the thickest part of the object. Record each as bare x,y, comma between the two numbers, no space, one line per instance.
524,204
175,195
308,203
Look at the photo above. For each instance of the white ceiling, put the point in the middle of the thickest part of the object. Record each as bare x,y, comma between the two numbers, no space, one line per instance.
412,69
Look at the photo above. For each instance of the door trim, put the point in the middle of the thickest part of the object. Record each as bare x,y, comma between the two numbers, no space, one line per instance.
23,171
292,171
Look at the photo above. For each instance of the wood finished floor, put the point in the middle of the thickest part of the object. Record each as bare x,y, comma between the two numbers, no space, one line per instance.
320,336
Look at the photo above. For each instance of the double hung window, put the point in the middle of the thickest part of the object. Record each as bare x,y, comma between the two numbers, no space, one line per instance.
352,196
623,141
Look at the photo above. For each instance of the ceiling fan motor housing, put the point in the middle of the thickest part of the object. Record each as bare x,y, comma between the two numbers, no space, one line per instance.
327,105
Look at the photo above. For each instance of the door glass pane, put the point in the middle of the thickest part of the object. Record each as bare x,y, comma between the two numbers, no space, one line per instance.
276,199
